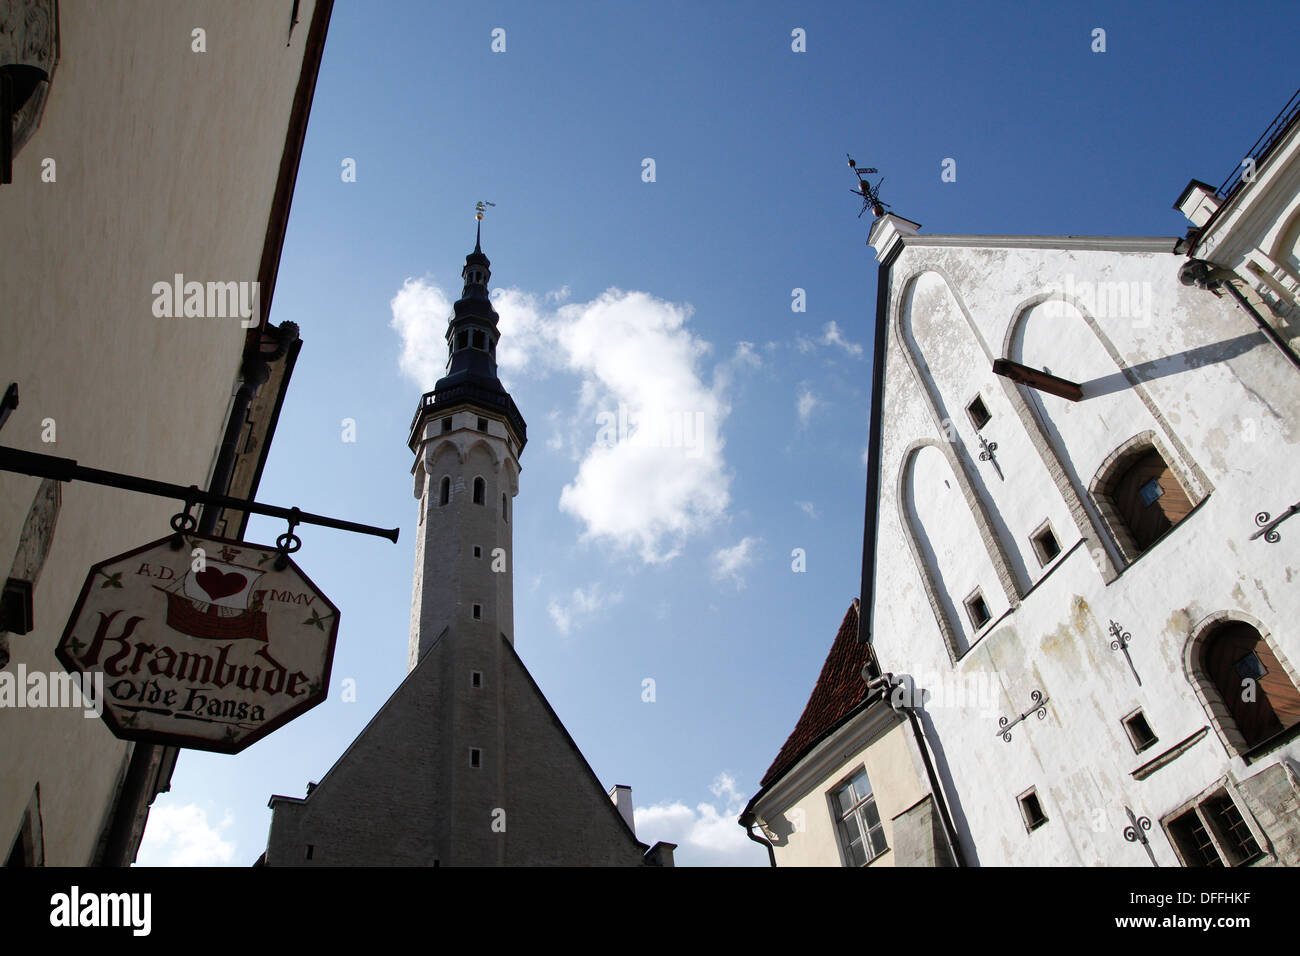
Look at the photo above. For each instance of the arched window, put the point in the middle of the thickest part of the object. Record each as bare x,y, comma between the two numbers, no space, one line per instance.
1139,496
504,515
444,494
480,490
1257,691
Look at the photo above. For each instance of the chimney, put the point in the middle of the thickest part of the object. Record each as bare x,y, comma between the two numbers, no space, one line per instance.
621,797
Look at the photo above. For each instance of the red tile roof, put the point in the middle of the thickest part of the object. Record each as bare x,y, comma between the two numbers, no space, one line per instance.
840,689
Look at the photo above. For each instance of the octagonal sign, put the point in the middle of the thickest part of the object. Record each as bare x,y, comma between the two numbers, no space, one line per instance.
209,645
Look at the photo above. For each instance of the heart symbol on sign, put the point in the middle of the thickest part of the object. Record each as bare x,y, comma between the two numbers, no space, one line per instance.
220,584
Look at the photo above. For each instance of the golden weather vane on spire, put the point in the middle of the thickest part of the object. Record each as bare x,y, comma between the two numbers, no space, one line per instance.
480,208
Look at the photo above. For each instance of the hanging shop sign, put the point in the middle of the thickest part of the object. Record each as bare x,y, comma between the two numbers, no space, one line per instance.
202,642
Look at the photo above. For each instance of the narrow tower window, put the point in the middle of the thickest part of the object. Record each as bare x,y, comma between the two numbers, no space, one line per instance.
475,757
1140,734
1045,544
480,489
480,341
478,612
979,414
1031,810
475,678
444,493
462,340
504,515
977,609
482,424
446,424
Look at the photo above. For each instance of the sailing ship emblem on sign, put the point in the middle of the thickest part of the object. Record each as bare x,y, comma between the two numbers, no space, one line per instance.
211,645
218,602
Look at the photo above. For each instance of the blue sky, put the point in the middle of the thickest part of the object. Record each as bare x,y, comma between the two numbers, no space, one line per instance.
614,290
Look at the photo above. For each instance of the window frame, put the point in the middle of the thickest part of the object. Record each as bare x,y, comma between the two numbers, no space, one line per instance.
1045,529
1022,801
1139,714
1105,482
1229,850
984,408
857,812
977,595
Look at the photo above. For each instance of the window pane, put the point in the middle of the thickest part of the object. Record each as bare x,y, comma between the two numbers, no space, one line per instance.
844,799
852,833
876,837
1249,667
855,853
861,785
870,813
1150,492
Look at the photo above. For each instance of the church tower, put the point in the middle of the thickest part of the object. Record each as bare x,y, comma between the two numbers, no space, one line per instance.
466,764
467,436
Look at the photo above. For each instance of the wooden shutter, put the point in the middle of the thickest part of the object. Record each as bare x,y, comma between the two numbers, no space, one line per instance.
1276,706
1147,522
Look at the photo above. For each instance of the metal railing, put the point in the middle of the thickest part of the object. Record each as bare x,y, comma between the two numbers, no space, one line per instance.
1281,123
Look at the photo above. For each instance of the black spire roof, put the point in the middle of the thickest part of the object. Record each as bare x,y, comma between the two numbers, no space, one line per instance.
472,338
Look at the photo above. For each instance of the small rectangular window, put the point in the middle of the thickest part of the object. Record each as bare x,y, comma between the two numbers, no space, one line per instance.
1140,734
311,849
1031,810
1250,667
482,424
977,609
1213,832
446,424
475,757
475,678
979,414
1045,544
478,612
1194,840
1151,492
478,552
1234,834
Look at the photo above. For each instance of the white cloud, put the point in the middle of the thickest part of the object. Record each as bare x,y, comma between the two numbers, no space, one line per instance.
707,835
420,312
833,336
729,563
581,606
804,344
805,404
182,836
646,430
807,508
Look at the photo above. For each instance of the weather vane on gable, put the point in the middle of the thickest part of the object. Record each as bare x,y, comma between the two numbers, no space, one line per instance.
870,195
480,208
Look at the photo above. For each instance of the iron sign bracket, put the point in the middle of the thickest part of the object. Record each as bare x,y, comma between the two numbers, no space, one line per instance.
68,470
